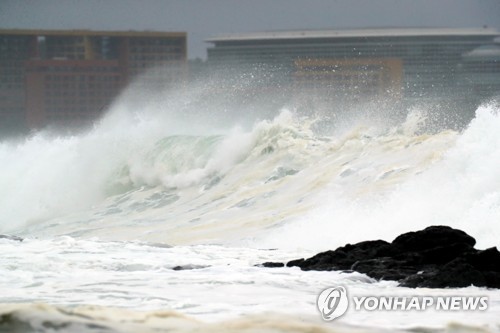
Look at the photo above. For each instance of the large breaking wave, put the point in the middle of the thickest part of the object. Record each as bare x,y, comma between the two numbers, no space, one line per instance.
158,171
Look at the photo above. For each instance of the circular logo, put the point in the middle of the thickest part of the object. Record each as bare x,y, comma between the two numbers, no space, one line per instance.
332,303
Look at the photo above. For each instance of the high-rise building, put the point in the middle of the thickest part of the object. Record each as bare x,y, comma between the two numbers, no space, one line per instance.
69,77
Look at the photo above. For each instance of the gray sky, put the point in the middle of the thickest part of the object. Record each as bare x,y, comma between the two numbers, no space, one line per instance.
202,19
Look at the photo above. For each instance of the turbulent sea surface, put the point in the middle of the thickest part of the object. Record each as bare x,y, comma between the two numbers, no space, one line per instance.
107,214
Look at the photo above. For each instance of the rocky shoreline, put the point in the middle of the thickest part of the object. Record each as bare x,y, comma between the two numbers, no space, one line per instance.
435,257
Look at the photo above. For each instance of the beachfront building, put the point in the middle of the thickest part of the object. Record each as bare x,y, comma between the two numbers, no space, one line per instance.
480,71
63,78
421,64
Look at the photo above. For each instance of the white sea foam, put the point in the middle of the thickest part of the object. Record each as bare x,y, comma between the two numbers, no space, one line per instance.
224,285
224,193
406,182
365,183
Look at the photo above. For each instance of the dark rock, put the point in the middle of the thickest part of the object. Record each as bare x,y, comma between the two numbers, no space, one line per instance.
486,260
295,263
384,268
273,264
188,267
344,257
436,257
445,253
492,279
456,274
14,238
431,237
416,280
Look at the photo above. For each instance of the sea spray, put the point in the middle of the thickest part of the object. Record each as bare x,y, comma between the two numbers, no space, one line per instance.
98,210
392,183
49,174
151,170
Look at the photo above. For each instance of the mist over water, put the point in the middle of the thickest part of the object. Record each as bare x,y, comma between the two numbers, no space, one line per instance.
55,174
406,181
221,151
232,175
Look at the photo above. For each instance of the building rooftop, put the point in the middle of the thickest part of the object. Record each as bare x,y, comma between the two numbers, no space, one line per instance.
352,33
485,51
130,33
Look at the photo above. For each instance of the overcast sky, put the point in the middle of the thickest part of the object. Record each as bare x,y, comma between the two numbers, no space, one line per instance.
202,19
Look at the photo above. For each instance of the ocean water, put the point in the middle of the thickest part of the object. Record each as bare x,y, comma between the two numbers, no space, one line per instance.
108,213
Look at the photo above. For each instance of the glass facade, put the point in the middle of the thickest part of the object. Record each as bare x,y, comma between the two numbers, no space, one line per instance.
70,77
434,62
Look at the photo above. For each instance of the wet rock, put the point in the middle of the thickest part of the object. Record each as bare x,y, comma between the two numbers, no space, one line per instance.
436,257
458,273
346,256
273,264
431,237
294,263
486,260
188,267
385,268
